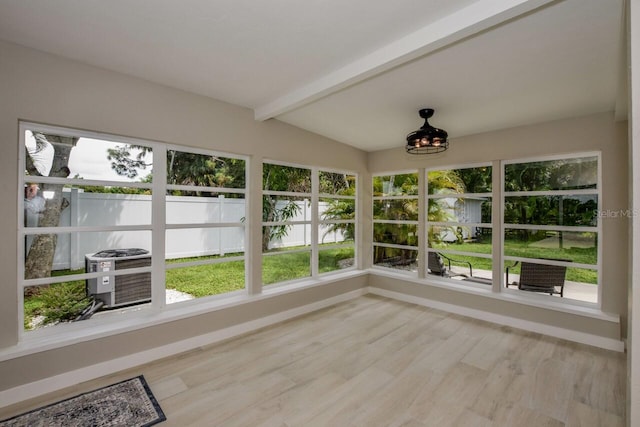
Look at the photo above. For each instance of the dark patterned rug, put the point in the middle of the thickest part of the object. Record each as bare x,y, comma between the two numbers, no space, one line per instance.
128,403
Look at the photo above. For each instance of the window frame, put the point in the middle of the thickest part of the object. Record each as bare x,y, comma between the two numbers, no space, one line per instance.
429,224
498,288
417,223
157,227
210,225
314,221
324,222
595,229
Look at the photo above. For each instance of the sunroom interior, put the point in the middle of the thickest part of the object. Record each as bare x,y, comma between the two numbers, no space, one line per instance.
523,88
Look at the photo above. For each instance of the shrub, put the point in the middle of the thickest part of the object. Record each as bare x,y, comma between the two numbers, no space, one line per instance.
63,302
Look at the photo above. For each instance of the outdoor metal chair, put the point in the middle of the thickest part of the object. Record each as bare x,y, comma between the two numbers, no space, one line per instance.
544,278
436,265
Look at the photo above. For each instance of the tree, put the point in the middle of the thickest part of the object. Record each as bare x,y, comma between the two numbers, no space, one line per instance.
39,260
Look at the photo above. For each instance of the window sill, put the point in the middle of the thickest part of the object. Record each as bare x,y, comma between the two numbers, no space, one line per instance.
513,296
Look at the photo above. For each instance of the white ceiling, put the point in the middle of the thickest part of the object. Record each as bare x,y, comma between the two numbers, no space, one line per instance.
356,71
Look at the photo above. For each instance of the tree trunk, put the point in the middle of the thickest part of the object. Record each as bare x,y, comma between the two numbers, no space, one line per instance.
39,260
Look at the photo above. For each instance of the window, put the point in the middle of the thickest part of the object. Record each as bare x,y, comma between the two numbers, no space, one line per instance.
308,222
547,245
106,220
337,221
551,224
395,221
459,228
286,226
205,236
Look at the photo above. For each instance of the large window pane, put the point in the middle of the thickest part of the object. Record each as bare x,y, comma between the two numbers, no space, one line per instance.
197,242
471,269
87,206
401,210
286,178
337,183
75,300
336,233
541,278
396,185
336,258
205,209
285,266
87,158
397,234
580,247
198,281
55,303
561,174
286,236
46,254
286,208
203,170
459,181
460,238
460,209
566,210
396,258
336,209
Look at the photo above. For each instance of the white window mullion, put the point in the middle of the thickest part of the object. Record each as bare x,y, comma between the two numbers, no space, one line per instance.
393,245
159,223
315,213
497,215
568,228
21,232
253,229
576,192
600,235
423,233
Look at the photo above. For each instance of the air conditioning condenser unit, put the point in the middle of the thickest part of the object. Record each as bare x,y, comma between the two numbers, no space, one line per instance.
117,291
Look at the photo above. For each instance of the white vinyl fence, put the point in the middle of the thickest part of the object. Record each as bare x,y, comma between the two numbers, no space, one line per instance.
100,209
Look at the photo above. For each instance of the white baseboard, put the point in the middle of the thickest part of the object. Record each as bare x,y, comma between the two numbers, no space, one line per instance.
58,382
554,331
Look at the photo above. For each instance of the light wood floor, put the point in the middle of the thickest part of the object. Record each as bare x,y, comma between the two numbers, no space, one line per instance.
378,362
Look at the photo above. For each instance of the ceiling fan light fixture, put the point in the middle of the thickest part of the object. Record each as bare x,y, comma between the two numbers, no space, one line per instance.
427,139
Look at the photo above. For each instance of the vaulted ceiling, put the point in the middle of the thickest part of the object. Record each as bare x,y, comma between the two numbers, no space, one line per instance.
356,71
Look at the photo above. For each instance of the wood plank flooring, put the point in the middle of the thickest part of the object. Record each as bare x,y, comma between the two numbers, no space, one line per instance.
379,362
